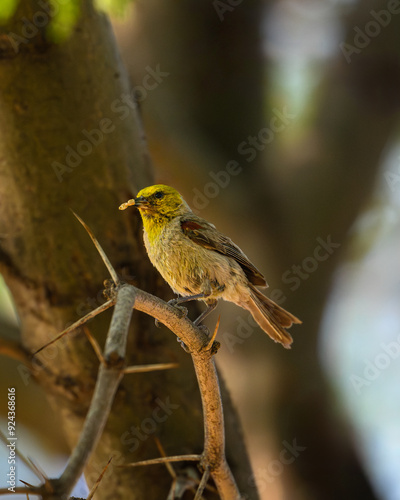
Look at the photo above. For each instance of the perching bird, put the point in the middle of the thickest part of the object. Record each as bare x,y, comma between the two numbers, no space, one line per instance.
198,262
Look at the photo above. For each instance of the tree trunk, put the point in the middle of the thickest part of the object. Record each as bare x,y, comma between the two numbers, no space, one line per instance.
71,139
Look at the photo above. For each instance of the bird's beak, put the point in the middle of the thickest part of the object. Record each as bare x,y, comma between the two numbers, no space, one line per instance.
140,201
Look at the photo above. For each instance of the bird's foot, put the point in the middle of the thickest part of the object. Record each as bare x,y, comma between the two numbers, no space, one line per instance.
203,328
182,310
183,345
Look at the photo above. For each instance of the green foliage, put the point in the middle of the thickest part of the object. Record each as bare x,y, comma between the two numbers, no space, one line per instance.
7,9
66,15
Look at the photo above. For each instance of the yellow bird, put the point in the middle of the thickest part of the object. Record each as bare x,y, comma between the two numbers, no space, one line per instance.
200,263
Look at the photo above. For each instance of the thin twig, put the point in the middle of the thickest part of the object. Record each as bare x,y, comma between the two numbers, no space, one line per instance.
163,454
79,323
43,490
96,484
163,460
182,482
129,369
95,345
150,368
39,473
27,484
22,490
203,484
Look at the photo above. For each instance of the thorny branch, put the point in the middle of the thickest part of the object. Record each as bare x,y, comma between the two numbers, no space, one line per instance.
111,371
107,383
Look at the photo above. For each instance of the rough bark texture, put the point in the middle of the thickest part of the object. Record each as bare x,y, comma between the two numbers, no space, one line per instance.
53,97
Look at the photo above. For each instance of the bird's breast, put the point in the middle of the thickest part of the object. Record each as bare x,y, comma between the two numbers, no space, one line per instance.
190,268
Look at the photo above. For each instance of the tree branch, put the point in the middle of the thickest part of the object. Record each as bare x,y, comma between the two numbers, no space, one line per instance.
198,345
112,369
107,383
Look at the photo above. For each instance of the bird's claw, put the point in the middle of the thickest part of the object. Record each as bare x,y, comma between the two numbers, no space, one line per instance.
204,329
182,310
183,345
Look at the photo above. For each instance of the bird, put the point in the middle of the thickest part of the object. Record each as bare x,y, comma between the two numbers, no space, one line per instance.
200,263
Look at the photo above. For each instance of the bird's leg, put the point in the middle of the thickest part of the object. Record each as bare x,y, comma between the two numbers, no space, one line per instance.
181,300
210,307
187,298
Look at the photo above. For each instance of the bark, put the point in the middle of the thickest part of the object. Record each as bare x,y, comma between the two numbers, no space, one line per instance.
71,103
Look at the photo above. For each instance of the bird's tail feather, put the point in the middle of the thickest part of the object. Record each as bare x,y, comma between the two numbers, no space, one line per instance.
272,318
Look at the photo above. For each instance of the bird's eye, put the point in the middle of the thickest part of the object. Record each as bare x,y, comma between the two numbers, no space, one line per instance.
159,194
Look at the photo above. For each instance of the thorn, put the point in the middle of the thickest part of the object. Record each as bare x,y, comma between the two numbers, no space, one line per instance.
103,255
203,483
150,368
162,460
26,483
95,345
163,454
38,472
78,323
211,342
96,484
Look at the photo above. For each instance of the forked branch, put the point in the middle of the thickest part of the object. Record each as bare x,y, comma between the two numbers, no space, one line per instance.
112,368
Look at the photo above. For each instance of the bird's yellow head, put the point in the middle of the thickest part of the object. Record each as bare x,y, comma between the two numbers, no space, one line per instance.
158,199
157,205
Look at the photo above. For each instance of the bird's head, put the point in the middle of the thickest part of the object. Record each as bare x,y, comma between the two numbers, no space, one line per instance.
158,201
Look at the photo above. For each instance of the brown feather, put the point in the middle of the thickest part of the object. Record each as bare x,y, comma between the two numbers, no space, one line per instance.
272,318
205,234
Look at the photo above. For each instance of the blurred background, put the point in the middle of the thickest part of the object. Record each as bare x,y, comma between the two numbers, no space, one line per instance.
278,122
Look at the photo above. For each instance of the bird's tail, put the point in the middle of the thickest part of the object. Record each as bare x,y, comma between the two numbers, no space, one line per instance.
272,318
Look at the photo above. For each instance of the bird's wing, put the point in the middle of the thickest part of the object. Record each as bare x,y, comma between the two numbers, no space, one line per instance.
206,235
